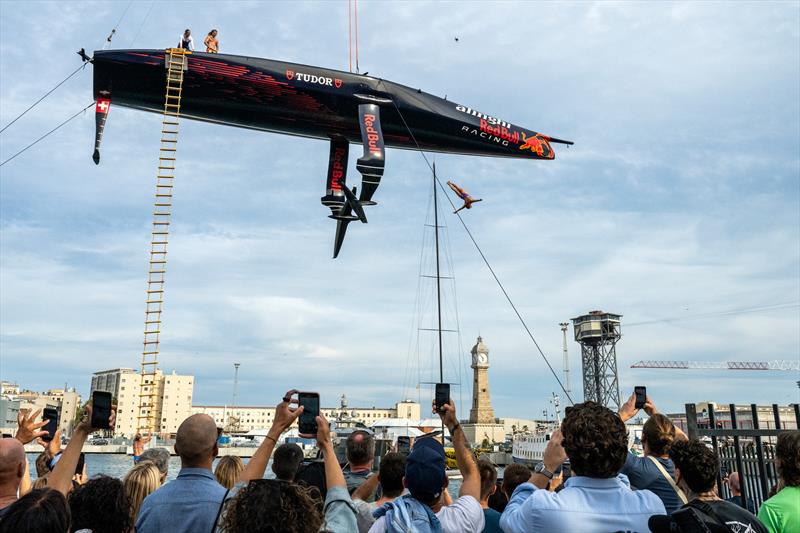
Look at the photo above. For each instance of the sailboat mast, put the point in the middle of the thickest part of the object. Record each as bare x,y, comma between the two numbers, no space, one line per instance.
438,274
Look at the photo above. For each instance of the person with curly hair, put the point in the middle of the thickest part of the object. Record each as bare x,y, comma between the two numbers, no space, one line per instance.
696,468
39,511
140,481
101,506
781,513
595,499
654,471
270,505
228,470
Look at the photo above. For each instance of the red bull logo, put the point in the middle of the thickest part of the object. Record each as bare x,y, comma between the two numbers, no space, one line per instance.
337,171
372,134
501,132
537,145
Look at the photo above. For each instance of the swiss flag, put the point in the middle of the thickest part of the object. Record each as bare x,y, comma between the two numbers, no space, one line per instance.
103,104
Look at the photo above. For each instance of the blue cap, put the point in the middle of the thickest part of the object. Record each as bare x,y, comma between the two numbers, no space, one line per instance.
425,469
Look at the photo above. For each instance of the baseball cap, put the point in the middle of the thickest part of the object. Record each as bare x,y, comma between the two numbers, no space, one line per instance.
425,469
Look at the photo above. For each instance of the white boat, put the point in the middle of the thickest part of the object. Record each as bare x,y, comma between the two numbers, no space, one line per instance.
527,448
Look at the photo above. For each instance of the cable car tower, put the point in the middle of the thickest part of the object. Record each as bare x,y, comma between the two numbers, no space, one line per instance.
598,333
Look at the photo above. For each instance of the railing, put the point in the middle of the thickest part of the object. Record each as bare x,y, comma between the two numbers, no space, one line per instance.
750,452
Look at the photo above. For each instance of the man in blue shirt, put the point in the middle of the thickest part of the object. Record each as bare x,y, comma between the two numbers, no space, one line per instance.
190,502
596,498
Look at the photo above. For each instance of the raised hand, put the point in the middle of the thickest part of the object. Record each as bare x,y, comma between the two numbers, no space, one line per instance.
448,414
628,409
554,453
285,415
323,432
650,407
53,447
85,424
27,427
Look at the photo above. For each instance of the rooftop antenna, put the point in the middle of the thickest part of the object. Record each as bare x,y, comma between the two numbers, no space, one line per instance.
567,388
235,384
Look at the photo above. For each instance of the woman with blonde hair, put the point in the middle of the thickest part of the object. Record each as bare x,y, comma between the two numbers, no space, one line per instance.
141,481
228,470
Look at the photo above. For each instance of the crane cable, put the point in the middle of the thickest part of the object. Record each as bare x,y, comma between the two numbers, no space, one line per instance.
43,97
355,13
47,134
48,93
485,260
114,29
350,34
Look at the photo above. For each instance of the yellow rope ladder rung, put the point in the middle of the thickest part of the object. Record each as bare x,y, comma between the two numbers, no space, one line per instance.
175,61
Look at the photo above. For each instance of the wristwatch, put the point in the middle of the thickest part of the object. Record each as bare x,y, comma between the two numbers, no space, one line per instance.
541,469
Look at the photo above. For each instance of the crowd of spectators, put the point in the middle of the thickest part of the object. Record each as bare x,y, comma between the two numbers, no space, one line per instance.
588,481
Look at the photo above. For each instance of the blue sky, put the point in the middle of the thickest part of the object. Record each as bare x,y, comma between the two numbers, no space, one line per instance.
681,197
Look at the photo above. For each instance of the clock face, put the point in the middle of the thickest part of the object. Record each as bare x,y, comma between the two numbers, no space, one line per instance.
483,358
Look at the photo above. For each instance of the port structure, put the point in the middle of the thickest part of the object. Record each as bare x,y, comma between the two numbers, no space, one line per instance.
176,62
793,366
598,333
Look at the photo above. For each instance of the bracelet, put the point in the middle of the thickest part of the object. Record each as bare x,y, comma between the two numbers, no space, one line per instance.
272,439
455,428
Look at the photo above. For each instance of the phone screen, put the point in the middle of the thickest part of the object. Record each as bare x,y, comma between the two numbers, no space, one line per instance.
309,401
641,396
51,415
101,409
404,445
442,395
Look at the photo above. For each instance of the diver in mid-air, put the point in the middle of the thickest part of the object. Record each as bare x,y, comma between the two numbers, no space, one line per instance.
464,195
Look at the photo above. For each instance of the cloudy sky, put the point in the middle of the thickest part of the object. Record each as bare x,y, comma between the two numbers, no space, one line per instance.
678,207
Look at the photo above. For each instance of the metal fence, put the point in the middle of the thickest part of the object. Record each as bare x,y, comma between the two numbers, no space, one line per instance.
750,452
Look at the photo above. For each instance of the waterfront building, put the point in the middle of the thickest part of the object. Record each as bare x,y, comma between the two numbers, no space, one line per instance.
9,389
744,416
248,418
9,409
482,425
173,399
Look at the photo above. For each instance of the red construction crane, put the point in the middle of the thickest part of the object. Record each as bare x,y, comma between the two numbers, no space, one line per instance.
722,365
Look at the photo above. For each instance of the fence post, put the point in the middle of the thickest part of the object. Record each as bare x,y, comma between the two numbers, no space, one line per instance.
691,420
762,471
738,453
712,421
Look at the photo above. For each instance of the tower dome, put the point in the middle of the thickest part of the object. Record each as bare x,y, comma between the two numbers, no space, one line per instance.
480,347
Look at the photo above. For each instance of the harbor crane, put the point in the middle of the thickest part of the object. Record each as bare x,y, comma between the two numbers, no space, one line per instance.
720,365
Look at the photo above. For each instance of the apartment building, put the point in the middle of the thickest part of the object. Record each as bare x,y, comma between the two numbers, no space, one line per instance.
173,398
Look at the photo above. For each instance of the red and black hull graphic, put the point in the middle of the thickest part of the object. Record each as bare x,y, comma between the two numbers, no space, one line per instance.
309,101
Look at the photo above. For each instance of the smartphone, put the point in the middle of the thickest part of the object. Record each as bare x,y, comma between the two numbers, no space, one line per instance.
403,445
309,401
442,395
101,409
51,416
641,396
81,463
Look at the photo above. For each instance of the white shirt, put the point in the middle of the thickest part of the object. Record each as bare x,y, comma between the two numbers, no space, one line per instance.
191,43
463,516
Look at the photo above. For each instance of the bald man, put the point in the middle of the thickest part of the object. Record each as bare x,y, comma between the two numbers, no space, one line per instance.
13,465
735,484
191,502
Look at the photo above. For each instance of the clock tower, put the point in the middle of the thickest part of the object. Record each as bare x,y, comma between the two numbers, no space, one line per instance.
481,412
